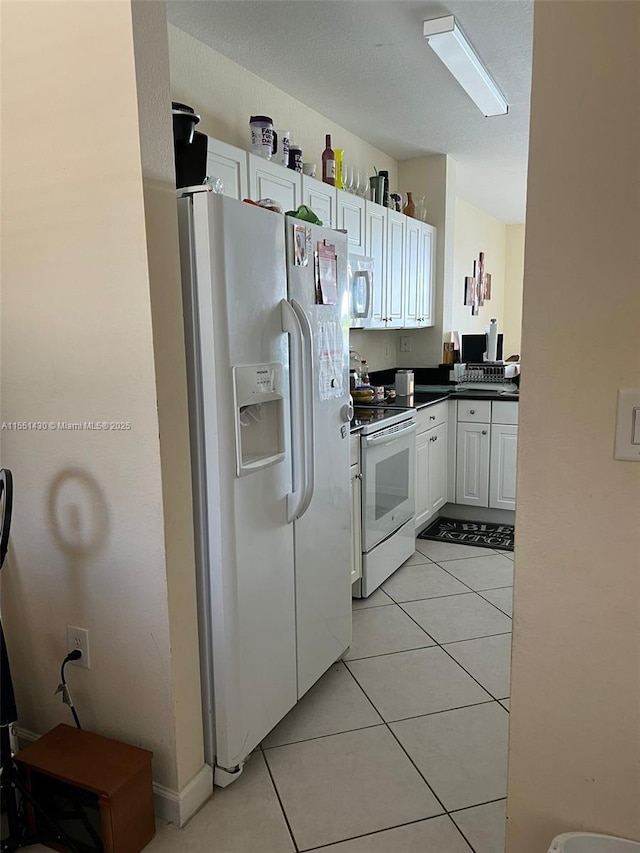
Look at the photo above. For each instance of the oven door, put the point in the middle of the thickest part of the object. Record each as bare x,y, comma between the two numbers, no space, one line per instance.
388,481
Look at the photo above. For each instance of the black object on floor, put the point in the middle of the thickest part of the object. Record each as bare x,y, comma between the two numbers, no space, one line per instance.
482,534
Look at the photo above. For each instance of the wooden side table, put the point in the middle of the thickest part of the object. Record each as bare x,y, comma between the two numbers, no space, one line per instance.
112,781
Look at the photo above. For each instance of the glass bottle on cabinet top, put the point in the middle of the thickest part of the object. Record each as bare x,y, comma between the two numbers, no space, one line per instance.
328,163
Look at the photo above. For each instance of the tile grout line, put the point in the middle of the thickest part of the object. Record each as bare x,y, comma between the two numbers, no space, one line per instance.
377,832
441,646
280,803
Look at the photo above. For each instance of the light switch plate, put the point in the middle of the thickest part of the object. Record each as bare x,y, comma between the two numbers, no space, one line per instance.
627,447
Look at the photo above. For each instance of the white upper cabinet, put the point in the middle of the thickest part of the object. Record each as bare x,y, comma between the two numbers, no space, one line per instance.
351,219
322,199
425,287
375,244
230,165
413,270
394,312
271,180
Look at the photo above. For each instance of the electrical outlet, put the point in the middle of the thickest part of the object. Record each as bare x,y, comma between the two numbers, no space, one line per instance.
78,638
405,343
386,351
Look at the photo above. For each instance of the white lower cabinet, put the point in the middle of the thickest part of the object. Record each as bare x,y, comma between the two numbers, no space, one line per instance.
502,475
472,464
486,451
431,472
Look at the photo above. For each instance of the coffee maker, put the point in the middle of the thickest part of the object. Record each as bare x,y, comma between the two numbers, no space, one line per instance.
189,147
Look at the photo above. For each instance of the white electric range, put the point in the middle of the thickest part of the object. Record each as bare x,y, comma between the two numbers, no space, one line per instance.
387,460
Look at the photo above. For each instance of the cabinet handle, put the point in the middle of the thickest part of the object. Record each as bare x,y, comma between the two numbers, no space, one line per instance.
432,417
484,432
472,411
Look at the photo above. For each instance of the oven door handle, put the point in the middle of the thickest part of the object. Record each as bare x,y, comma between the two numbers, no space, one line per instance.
389,438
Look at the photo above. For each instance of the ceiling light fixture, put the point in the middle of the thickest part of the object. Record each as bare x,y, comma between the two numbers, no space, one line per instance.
450,43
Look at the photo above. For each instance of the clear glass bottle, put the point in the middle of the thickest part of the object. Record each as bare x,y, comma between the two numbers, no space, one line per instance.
364,373
328,163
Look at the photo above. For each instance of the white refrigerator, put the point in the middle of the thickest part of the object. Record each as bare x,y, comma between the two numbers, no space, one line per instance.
267,324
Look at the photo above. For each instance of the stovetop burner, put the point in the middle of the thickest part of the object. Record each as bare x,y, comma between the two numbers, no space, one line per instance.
371,416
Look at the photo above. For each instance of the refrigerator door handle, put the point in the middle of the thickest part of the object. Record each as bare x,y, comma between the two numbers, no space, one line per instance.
291,325
308,392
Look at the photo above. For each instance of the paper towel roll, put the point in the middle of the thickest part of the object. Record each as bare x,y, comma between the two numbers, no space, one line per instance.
492,341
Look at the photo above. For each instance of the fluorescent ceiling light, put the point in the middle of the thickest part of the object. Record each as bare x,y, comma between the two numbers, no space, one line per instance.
449,42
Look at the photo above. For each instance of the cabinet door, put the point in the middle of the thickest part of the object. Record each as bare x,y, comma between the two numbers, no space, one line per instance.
270,180
356,524
422,478
472,464
426,275
438,467
394,312
321,198
230,165
351,218
412,270
375,244
502,479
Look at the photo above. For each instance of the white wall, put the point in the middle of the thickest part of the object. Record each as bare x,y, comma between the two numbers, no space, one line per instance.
575,706
225,94
513,281
475,232
88,539
156,144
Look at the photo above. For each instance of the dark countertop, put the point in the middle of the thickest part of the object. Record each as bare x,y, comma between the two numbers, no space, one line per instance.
422,399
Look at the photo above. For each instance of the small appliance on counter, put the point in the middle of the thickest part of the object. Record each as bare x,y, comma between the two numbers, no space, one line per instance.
404,383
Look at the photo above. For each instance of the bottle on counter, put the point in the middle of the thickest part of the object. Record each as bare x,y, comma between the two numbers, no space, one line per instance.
364,373
328,163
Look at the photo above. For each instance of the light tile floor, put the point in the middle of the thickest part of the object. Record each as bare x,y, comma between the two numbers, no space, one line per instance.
401,748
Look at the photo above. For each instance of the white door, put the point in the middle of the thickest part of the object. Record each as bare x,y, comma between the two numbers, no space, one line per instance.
422,478
412,270
426,275
376,248
438,464
504,446
351,219
230,165
356,522
270,180
396,223
321,198
472,464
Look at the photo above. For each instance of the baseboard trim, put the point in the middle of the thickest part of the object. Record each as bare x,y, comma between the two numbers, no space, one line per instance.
177,807
170,806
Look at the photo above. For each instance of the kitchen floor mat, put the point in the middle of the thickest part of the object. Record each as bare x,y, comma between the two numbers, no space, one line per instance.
482,534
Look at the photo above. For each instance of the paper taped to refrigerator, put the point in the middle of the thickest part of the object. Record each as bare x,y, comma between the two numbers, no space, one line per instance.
330,356
327,274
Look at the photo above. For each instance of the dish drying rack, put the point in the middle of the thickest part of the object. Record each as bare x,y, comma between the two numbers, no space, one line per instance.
486,376
493,373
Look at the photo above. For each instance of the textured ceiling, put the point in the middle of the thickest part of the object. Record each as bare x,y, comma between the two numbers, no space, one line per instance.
367,66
